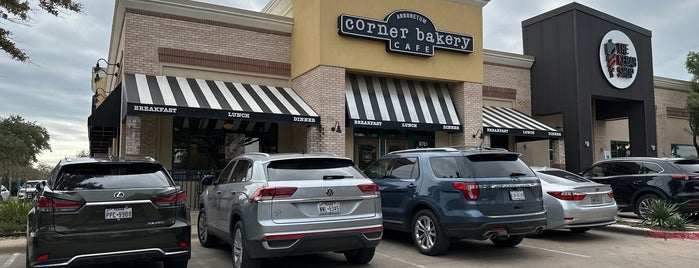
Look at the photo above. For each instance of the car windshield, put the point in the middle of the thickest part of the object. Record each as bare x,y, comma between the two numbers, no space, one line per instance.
111,176
498,165
561,176
312,169
30,184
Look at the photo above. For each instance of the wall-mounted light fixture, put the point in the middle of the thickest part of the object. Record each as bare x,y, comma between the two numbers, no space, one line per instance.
480,136
97,69
587,144
336,127
652,147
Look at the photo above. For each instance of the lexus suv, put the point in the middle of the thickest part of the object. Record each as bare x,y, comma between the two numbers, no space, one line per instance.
102,210
636,181
290,204
442,194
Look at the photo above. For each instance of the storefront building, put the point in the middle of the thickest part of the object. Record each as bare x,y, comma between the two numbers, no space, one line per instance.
198,84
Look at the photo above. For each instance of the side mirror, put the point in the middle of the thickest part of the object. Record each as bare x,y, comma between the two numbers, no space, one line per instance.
206,181
40,186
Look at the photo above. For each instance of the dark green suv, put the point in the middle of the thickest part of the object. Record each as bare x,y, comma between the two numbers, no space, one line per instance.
93,211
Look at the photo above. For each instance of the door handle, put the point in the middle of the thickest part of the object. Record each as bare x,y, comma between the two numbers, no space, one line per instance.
412,185
218,192
234,192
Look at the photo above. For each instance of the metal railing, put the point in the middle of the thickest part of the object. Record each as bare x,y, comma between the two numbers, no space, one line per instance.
190,182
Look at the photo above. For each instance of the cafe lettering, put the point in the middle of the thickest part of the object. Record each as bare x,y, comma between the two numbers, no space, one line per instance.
405,32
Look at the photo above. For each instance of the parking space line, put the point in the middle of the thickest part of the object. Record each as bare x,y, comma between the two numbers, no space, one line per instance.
403,261
10,261
556,251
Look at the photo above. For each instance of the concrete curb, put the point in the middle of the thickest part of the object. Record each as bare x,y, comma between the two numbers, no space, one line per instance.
646,232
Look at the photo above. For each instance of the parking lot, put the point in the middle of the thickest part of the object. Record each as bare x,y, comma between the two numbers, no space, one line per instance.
597,248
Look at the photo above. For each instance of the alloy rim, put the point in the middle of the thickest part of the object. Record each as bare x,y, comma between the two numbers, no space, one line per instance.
425,233
202,228
237,247
643,206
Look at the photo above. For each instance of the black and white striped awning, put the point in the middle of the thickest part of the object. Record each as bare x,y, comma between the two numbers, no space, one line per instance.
508,121
188,97
390,103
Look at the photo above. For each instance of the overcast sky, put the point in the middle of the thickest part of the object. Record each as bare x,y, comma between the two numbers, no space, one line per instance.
53,90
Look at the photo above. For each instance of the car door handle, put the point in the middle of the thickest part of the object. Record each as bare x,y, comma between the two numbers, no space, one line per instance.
412,185
234,192
218,192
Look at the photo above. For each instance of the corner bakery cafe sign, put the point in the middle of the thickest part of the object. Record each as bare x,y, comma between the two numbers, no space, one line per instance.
405,31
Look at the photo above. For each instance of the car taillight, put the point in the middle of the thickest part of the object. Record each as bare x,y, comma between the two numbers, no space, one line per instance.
611,195
370,188
683,177
571,196
176,199
47,204
470,190
267,193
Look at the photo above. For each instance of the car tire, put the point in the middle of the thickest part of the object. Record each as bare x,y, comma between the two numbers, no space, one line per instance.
507,241
205,238
360,256
580,230
643,202
175,263
239,250
427,234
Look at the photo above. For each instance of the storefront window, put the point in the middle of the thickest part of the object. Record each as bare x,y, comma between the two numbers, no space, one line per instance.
683,150
370,144
207,144
621,149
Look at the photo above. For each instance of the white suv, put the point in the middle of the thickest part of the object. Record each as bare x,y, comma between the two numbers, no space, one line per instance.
28,189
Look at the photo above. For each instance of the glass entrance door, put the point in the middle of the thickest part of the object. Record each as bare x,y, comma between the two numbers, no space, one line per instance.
366,151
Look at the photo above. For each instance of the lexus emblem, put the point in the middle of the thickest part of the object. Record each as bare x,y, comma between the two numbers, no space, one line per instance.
119,195
329,192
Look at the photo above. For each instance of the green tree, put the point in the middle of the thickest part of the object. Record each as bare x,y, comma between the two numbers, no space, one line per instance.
692,65
18,11
20,143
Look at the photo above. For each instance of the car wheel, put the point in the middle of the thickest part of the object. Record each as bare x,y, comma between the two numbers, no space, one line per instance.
643,202
360,256
580,230
205,238
241,256
427,234
507,241
176,263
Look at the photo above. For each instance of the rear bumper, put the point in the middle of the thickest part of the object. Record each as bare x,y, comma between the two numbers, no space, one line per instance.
688,206
104,247
483,227
279,245
579,217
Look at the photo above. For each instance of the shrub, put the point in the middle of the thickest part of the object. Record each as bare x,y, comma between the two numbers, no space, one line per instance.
13,216
660,213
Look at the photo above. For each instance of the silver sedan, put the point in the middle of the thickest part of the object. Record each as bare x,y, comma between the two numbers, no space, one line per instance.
575,203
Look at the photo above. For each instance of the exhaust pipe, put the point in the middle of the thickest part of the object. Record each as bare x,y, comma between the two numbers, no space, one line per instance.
495,232
539,230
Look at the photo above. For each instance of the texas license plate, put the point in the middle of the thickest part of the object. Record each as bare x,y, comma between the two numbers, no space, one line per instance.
596,199
328,208
517,195
117,213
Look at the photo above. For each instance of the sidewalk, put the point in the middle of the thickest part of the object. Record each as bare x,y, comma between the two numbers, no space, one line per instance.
626,224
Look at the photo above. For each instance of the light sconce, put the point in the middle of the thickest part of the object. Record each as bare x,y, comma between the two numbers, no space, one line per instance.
587,144
480,136
652,147
336,127
97,69
228,125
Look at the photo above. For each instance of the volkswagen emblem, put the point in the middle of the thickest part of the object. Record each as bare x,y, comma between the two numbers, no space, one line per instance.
329,192
596,189
119,195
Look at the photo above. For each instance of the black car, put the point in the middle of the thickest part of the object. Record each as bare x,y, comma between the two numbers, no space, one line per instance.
636,181
102,210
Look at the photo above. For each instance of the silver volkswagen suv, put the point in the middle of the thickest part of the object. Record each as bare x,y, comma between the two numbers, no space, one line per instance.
275,205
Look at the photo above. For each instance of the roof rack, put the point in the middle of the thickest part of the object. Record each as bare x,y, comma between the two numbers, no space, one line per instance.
489,149
258,154
443,149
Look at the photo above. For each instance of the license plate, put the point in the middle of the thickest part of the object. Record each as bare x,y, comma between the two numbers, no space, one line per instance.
517,195
117,213
596,199
328,208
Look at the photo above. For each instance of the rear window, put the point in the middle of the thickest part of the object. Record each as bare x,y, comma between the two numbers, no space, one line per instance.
498,165
690,166
312,169
560,176
111,176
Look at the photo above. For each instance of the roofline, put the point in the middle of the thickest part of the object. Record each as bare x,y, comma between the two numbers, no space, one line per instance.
671,84
593,12
507,58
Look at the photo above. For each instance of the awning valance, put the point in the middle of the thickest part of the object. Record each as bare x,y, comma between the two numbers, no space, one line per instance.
508,121
390,103
189,97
